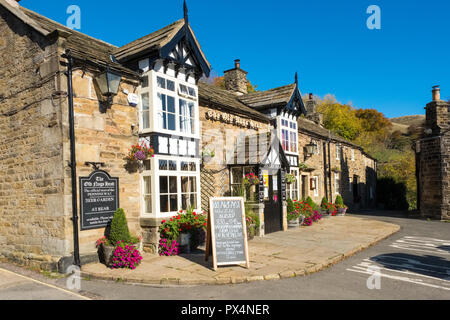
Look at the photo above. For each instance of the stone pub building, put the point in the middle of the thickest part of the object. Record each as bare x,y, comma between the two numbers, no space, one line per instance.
205,138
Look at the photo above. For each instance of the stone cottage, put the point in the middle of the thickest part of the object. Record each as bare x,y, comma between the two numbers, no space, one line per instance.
149,92
432,161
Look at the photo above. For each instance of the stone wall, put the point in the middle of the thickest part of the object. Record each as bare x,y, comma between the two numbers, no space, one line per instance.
362,166
434,163
103,136
220,137
32,216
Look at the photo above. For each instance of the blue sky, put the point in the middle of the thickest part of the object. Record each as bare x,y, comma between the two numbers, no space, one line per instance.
326,41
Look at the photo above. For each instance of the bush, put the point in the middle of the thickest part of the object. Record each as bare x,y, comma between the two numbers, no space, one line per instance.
324,203
339,202
119,229
290,205
311,203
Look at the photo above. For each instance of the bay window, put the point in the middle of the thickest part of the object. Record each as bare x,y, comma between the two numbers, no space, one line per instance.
289,135
168,105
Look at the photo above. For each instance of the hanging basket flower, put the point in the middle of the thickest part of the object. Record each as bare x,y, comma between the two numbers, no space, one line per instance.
140,152
290,178
251,179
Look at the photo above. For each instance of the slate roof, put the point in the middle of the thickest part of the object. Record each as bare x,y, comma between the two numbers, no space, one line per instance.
221,98
151,42
270,98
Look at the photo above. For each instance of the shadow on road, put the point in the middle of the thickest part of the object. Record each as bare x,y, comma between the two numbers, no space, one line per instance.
427,265
446,248
386,213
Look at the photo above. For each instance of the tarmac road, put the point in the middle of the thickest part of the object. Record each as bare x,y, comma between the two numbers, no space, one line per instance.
412,264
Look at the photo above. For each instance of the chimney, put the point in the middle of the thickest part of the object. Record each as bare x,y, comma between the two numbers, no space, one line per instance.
310,105
236,79
436,93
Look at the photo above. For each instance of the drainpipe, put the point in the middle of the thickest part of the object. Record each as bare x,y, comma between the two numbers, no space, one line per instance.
73,163
329,168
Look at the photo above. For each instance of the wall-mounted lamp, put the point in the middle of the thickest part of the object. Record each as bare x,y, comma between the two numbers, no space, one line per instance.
311,148
108,82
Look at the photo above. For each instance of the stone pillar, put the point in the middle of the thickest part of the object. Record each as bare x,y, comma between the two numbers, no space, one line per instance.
150,234
285,222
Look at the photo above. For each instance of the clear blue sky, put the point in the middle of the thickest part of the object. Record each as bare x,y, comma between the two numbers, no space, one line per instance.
326,41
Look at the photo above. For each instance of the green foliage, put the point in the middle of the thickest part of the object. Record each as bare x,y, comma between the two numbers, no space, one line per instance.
324,203
119,228
338,200
371,130
311,203
290,206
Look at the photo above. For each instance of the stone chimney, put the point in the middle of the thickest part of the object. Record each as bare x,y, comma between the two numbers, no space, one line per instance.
436,93
437,113
311,112
236,79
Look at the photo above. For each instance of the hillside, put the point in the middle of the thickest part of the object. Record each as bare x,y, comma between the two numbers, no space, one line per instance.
409,120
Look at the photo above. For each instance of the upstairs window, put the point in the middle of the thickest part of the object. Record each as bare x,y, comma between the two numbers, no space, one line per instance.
166,112
186,116
187,91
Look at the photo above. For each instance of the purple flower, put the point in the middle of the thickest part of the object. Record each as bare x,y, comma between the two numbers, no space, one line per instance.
140,155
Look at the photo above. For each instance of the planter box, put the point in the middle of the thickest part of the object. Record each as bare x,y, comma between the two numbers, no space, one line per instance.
294,223
341,212
105,254
184,239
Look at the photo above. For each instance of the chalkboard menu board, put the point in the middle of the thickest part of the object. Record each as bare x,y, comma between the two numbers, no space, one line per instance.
227,232
99,199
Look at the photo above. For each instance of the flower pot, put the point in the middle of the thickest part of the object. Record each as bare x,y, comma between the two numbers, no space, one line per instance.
251,231
295,223
324,213
106,254
184,239
341,211
301,219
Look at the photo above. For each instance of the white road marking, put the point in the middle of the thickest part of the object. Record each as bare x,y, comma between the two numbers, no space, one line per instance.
46,284
421,271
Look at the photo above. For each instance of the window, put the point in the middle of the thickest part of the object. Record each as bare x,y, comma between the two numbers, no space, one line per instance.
292,189
353,154
187,91
188,166
168,194
293,141
145,115
188,192
166,112
289,135
338,152
237,175
147,194
316,186
336,183
285,139
165,84
144,82
186,116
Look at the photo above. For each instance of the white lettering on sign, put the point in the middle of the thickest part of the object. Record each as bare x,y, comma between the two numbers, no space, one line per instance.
232,119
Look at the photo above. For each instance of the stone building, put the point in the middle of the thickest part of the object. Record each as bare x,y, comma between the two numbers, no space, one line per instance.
432,161
205,138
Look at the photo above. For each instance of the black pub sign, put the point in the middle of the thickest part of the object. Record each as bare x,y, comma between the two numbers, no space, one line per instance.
99,199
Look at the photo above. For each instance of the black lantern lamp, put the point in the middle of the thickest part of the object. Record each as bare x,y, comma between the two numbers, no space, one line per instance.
108,83
311,148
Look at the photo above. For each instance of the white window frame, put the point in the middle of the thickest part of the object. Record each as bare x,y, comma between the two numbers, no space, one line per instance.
152,89
316,190
338,152
336,184
289,119
353,154
155,173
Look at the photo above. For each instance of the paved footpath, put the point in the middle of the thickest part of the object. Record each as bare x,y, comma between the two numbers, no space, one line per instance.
296,252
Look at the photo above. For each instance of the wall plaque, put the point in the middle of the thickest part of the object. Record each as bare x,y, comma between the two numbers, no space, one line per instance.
99,199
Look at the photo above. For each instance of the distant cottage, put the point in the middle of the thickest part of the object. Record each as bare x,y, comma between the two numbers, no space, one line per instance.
206,139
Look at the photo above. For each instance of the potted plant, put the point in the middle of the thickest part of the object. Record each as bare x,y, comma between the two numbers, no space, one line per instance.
340,206
331,208
186,229
290,178
292,214
137,155
251,227
336,169
324,207
119,243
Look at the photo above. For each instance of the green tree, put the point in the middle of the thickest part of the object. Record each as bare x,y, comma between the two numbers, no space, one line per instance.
119,228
